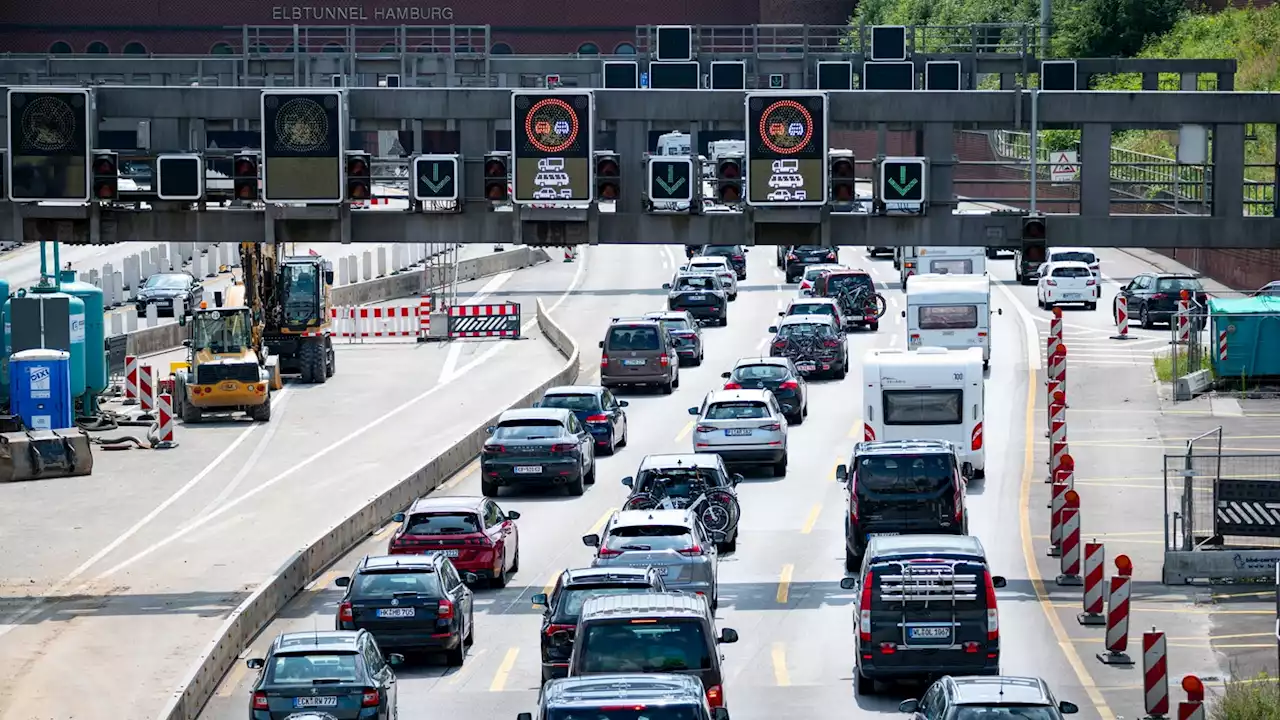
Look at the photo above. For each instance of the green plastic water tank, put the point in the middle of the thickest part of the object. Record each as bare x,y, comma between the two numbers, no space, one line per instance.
95,332
75,309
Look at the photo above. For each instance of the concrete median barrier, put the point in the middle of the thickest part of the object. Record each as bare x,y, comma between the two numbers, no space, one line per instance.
255,613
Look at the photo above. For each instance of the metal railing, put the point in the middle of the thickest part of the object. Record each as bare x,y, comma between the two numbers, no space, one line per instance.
788,40
1188,480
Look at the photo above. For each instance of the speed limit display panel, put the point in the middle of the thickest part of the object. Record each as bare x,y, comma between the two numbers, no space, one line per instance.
552,142
786,149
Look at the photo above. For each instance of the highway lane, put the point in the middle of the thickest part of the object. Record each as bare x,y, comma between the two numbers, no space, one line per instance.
150,553
780,589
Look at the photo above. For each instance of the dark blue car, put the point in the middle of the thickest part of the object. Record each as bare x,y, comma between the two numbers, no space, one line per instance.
596,408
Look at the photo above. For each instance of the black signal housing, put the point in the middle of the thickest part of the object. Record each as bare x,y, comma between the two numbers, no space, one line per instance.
496,174
106,176
244,176
843,178
729,179
608,176
359,176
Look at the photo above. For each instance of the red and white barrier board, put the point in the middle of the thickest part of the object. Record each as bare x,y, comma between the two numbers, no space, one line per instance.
485,320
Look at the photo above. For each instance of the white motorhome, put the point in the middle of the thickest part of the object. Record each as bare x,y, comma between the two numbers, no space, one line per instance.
949,311
951,260
675,143
927,394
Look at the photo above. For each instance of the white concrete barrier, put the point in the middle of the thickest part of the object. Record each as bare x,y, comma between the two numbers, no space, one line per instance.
117,288
382,261
366,266
165,263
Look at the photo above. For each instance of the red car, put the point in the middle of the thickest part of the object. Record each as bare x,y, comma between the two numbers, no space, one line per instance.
473,532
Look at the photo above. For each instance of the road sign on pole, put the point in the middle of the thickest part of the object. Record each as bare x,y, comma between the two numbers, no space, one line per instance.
671,178
50,139
903,184
786,149
1065,166
437,178
304,145
552,146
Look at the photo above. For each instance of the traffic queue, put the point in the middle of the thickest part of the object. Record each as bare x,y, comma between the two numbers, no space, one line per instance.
634,635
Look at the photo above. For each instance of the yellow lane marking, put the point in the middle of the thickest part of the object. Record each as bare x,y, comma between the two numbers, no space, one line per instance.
469,669
685,432
855,432
1231,596
504,670
1029,475
551,583
780,674
784,583
812,519
390,528
600,523
232,681
325,581
835,465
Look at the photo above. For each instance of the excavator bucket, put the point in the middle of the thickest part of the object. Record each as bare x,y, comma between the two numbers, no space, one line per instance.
41,454
273,369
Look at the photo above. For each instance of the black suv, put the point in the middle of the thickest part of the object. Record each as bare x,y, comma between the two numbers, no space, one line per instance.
701,295
655,696
410,602
926,608
562,608
898,487
736,253
340,673
962,698
1153,297
799,257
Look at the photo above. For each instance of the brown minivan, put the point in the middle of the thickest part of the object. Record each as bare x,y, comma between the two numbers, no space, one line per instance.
639,352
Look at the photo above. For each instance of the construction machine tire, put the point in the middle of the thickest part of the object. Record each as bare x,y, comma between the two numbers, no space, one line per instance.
261,413
312,361
190,413
330,359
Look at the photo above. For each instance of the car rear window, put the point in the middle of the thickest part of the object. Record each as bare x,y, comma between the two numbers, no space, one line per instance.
376,585
1071,272
584,401
643,337
305,668
738,410
708,265
812,309
809,249
528,430
694,283
929,582
849,281
923,407
721,250
678,480
645,645
904,473
814,271
1178,285
792,330
645,538
951,266
948,317
1084,257
443,523
761,372
1015,712
569,606
675,324
630,711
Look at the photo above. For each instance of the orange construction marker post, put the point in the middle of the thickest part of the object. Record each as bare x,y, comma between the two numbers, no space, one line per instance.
1193,709
1117,638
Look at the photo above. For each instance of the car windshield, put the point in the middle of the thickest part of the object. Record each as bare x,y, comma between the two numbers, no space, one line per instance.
673,324
387,585
644,538
167,280
948,317
645,645
442,523
904,473
306,668
812,309
739,410
1166,285
630,711
569,606
582,402
761,372
721,250
954,266
220,331
694,283
1071,272
795,330
1072,256
633,338
528,430
1015,712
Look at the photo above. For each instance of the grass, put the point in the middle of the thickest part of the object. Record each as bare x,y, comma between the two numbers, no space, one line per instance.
1256,699
1164,366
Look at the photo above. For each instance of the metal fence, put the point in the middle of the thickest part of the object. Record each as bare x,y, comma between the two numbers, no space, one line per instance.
1192,483
1192,353
1238,356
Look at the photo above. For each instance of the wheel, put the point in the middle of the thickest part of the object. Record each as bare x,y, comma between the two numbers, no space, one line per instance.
261,413
1145,320
986,364
313,362
675,381
1091,306
489,489
331,359
590,479
796,419
470,639
979,474
612,447
190,413
780,467
547,676
701,355
724,321
866,686
456,656
852,562
792,279
1017,274
578,486
843,371
873,326
733,297
515,562
1039,302
668,388
730,545
499,580
623,441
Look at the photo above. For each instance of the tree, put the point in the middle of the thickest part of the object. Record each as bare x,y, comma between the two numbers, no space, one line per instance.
1113,28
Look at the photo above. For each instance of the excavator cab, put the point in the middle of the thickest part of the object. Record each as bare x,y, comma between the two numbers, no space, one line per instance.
299,323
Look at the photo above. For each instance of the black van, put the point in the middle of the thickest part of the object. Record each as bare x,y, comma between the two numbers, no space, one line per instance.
926,608
899,487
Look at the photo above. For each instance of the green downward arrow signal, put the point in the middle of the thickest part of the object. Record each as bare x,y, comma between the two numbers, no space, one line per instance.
671,184
436,182
902,186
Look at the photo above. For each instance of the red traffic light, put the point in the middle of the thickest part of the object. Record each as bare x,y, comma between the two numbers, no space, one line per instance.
730,169
495,168
357,167
842,193
730,193
246,168
842,169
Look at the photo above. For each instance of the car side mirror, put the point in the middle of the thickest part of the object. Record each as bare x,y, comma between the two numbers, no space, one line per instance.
1067,708
628,481
773,329
782,313
524,716
591,540
726,375
693,411
967,470
904,313
255,663
186,343
540,600
720,714
560,638
602,344
728,636
908,706
737,478
328,277
536,403
342,582
394,659
842,473
513,515
470,578
623,403
666,286
998,581
999,311
848,583
182,320
398,517
490,429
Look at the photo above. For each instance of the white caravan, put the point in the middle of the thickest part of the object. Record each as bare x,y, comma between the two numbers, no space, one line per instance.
949,311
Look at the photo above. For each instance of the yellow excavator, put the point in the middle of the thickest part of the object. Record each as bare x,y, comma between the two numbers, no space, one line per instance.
275,320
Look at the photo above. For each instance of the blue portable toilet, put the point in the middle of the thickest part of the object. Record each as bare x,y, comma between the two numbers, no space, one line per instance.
40,388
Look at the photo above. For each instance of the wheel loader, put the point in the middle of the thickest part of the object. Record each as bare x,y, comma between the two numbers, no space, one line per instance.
227,371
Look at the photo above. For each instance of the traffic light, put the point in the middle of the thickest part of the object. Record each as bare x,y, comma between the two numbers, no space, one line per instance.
496,176
608,176
1033,228
244,177
106,176
359,176
843,181
729,178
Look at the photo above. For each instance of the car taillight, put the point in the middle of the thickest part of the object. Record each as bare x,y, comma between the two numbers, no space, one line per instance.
691,551
597,418
830,343
739,258
780,344
664,361
706,428
1159,296
715,696
791,256
345,613
731,385
1053,283
609,552
771,427
868,435
260,701
831,256
789,385
553,629
604,361
1090,283
864,608
370,698
492,448
445,609
975,438
993,615
562,448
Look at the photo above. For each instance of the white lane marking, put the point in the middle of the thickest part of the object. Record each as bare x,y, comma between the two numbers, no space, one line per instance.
782,304
490,287
199,522
665,254
893,340
1028,327
29,609
893,301
277,406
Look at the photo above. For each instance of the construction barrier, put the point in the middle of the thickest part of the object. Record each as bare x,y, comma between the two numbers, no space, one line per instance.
1056,377
424,317
130,379
405,321
1222,346
146,390
1059,459
1155,675
1058,417
1184,318
1057,504
1094,557
1055,330
1070,534
1193,708
164,424
1117,639
485,320
1122,318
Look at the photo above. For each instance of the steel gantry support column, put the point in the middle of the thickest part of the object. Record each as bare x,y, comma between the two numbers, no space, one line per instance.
1228,171
1095,170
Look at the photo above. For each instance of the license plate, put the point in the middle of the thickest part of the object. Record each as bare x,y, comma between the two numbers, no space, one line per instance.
662,571
806,367
871,535
929,633
448,553
320,701
1071,296
528,469
395,612
697,297
736,431
228,386
633,363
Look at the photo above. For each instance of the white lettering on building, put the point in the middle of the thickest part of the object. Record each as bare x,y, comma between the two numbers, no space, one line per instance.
357,13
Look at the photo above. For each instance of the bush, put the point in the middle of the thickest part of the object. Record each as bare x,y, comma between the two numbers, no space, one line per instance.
1256,699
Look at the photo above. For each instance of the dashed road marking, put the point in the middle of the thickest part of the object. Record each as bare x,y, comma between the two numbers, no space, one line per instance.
504,670
812,520
780,674
784,583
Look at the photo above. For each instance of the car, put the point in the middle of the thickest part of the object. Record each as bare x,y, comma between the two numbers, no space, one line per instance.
562,607
685,334
815,343
701,294
815,306
718,266
356,679
737,255
162,289
779,376
878,250
810,276
744,427
537,446
926,608
782,195
1076,254
639,351
1153,297
473,532
410,602
1005,696
800,257
898,487
651,632
1066,282
672,541
603,415
676,481
1271,289
843,286
649,696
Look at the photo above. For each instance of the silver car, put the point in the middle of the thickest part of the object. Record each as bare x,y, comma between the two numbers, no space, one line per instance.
720,267
745,427
673,542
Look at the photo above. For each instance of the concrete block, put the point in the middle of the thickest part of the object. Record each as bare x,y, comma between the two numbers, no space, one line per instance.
179,307
397,258
344,276
1190,385
366,266
117,323
84,277
95,278
153,316
130,319
382,261
211,264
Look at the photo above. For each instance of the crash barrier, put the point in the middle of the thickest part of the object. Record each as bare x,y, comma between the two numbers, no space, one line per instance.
1058,417
164,423
252,615
1193,708
1155,675
485,320
1070,533
1122,318
1117,639
355,323
1094,558
130,380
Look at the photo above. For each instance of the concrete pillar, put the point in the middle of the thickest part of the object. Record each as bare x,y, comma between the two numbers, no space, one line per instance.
174,255
179,307
397,258
94,278
123,294
224,254
145,267
153,316
234,255
343,276
132,271
367,266
117,324
353,268
130,319
84,277
162,257
108,290
382,261
211,263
